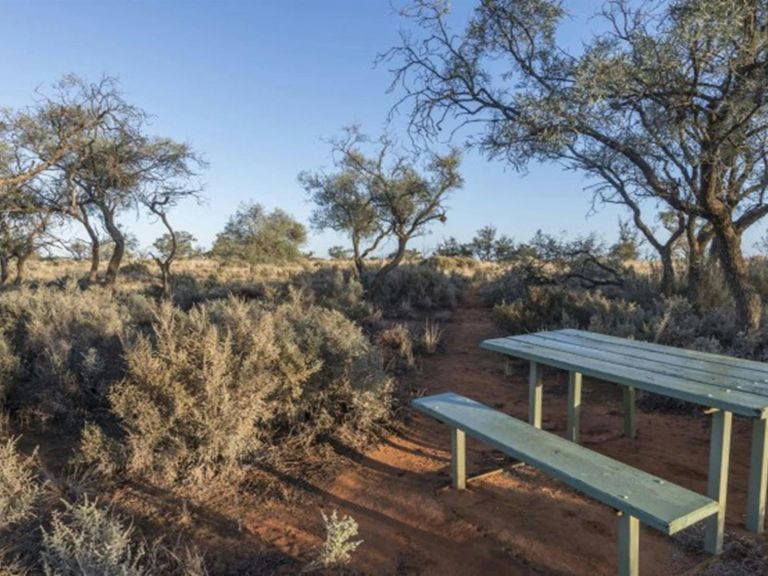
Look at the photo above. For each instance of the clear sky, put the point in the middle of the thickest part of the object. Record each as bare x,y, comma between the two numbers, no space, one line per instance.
255,86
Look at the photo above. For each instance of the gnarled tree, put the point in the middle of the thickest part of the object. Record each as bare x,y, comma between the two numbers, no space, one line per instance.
384,196
672,96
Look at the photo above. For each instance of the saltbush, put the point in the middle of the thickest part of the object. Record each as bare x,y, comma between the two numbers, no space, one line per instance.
232,380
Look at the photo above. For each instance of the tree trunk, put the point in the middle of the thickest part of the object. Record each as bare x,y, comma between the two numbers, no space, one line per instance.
113,267
747,300
391,265
667,271
697,242
4,271
21,269
95,246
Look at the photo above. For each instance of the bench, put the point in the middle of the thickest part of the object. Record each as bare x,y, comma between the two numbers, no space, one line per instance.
636,495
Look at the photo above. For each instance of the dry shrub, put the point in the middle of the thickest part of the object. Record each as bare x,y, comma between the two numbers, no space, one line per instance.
69,346
19,489
396,343
413,288
88,539
431,337
339,544
336,288
233,380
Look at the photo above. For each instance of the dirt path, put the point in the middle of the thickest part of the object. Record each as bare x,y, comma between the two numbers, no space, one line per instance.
517,522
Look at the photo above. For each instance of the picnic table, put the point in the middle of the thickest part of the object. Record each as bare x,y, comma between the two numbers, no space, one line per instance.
722,384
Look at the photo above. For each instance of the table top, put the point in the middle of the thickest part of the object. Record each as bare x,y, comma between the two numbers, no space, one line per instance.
711,380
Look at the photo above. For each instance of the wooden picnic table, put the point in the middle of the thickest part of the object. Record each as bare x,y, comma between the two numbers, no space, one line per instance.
723,384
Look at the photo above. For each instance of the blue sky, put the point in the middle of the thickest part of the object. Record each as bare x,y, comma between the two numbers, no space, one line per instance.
256,86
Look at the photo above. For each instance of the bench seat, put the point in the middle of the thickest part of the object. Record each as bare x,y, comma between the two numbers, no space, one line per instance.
637,494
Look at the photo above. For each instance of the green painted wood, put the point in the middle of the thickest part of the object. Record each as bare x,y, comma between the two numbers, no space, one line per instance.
758,477
574,406
458,459
656,502
760,369
629,397
717,484
711,373
739,402
535,394
629,546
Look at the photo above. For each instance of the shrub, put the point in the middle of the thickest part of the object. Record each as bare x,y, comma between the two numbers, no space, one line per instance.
338,289
69,346
396,344
338,546
88,539
431,336
411,288
231,380
19,489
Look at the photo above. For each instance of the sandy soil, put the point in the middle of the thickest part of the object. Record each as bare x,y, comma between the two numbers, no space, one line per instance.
516,522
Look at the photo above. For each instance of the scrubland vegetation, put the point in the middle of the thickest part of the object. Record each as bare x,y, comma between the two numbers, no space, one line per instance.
182,371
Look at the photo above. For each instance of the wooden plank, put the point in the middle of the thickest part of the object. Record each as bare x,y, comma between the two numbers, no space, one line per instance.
458,459
742,403
759,368
629,546
707,373
654,501
628,401
574,406
758,477
535,394
717,484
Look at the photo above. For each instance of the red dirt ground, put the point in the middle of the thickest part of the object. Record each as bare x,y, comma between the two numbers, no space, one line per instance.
516,522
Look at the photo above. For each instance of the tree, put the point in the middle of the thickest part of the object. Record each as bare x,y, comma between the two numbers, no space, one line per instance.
339,253
42,135
255,236
627,247
385,196
667,106
484,243
452,247
185,244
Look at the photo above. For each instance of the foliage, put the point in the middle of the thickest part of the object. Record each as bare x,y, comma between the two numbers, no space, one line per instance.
231,380
19,489
252,235
185,245
90,540
415,287
380,196
69,346
338,546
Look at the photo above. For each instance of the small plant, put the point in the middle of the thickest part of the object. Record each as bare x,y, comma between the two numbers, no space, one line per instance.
88,539
19,488
431,337
396,344
339,543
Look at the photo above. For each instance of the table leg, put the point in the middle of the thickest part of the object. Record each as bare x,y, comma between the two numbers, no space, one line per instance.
629,546
758,476
535,393
574,406
717,486
629,396
458,459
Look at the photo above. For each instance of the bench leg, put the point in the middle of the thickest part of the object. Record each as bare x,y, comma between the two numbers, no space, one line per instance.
629,546
574,406
628,403
535,392
717,485
458,459
758,476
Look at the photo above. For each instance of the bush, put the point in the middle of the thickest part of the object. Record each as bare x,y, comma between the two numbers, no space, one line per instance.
338,289
19,489
69,347
338,546
232,380
88,539
416,288
396,344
